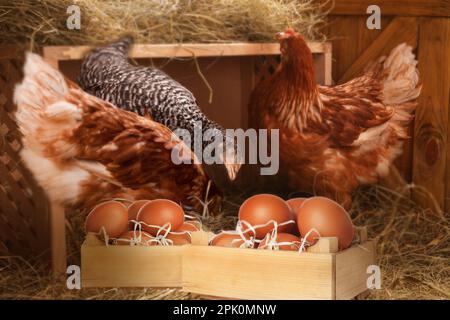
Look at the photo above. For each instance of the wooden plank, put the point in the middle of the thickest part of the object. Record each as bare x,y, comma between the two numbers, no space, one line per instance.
200,238
127,266
323,65
351,270
401,29
247,67
434,8
61,53
431,155
325,245
350,37
58,239
257,274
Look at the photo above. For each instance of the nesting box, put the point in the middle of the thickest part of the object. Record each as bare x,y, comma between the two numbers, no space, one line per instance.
322,272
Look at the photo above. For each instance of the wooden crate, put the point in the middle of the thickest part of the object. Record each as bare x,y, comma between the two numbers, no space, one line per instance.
232,70
321,273
133,266
24,224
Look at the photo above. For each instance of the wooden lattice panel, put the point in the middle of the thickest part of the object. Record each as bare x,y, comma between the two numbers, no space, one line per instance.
23,205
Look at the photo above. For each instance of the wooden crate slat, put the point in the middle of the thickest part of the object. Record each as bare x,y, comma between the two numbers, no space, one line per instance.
186,50
351,270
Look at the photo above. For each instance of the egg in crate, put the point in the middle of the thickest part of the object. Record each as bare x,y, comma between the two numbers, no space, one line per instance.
283,241
230,240
326,216
158,213
182,234
134,208
295,204
260,209
178,239
112,216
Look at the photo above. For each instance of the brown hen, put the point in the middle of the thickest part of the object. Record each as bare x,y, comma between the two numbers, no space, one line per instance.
334,139
82,149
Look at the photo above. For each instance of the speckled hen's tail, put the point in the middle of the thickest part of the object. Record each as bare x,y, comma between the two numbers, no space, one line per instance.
122,45
399,75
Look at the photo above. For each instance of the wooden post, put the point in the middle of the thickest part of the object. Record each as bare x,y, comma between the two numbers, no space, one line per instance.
430,170
58,239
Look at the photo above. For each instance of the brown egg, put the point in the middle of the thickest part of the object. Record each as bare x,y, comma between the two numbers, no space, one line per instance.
134,208
328,217
111,215
260,209
195,223
160,212
295,204
186,227
227,240
125,239
282,237
178,239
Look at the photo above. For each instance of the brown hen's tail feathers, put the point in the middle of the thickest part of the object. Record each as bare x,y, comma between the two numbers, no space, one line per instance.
39,74
399,75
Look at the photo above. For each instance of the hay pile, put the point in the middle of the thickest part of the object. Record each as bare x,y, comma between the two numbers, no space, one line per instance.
413,253
156,21
413,244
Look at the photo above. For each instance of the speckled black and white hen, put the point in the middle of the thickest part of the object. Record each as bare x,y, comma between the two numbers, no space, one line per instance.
107,74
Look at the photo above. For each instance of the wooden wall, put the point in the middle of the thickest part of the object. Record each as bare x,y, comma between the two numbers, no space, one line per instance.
424,24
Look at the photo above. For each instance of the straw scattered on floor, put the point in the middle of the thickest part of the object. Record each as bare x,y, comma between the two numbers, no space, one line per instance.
413,253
